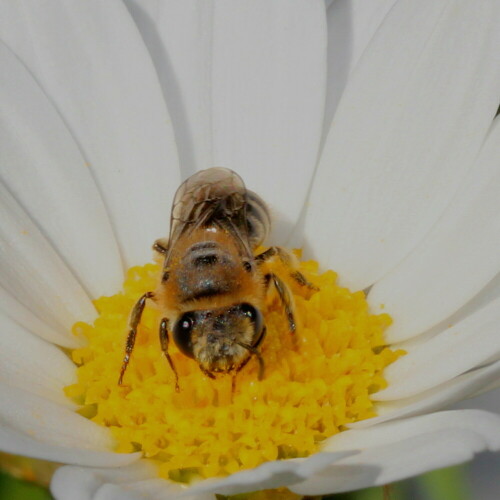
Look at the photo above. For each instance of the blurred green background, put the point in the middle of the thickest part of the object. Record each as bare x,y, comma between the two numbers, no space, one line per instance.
14,489
446,484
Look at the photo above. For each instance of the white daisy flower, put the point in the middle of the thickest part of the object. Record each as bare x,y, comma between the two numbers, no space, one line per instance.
371,131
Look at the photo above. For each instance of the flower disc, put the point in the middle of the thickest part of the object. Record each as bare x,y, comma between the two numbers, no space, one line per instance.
316,381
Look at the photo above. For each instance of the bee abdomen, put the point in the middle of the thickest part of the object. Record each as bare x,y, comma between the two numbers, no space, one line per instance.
258,219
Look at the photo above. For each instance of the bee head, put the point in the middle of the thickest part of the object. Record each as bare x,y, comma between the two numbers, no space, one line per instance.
214,337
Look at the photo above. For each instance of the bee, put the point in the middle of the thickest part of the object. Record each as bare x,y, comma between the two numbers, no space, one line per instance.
212,288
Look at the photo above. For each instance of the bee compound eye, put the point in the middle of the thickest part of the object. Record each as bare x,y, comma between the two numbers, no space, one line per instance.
182,333
249,311
254,315
186,324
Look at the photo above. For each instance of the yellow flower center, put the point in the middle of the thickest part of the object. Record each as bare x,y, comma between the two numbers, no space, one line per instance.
314,384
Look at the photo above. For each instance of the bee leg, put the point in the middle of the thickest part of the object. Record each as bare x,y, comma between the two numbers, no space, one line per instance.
161,246
164,347
285,297
135,319
288,260
266,255
302,280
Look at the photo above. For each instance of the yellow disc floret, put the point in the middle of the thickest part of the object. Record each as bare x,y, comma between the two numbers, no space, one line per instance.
315,382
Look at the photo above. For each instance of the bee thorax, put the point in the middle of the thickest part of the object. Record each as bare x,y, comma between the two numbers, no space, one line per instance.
206,270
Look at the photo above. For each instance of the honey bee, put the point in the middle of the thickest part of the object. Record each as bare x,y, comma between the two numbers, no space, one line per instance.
212,288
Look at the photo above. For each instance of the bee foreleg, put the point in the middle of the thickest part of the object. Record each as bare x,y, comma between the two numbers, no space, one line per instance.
270,252
257,354
302,280
285,297
287,259
135,319
164,347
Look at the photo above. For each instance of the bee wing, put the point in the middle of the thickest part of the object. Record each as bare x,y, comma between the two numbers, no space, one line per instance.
214,196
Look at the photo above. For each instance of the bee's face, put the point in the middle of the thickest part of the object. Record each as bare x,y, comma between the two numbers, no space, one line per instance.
216,337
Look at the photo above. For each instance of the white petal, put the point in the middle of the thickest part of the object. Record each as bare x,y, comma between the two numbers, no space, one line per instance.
487,295
246,89
488,388
150,489
57,334
45,171
455,260
398,450
35,275
157,489
112,492
73,483
460,348
82,483
450,392
20,444
391,432
90,60
29,363
487,402
410,122
48,422
137,481
351,25
179,38
268,94
269,475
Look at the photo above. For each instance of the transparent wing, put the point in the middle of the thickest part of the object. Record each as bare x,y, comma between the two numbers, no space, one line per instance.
216,196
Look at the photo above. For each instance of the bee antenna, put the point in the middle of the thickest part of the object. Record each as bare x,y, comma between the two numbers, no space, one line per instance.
256,353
